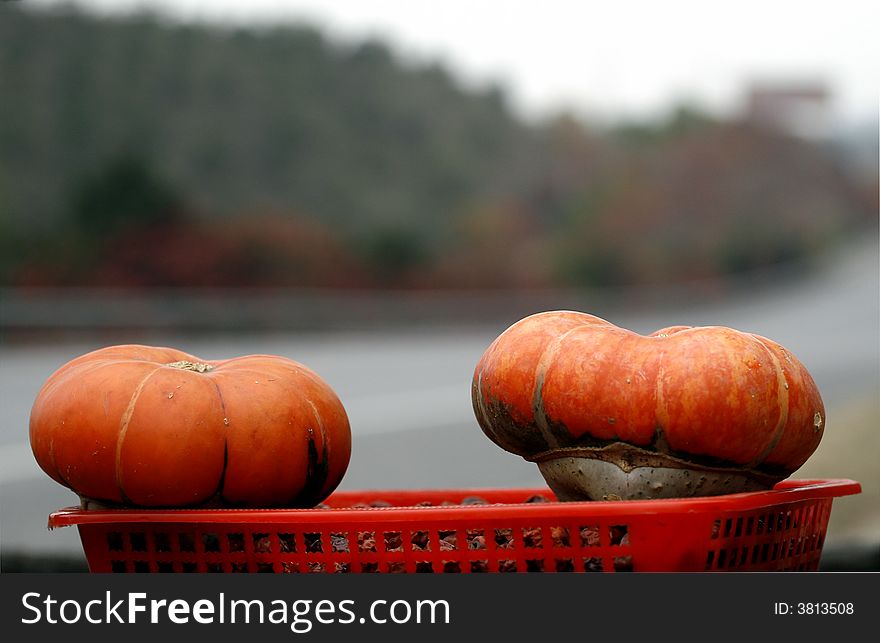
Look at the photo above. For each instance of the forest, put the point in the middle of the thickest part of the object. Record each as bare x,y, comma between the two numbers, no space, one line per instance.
140,152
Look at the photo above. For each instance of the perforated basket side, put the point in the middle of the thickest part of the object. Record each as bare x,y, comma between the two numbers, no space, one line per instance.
783,529
782,538
453,546
787,537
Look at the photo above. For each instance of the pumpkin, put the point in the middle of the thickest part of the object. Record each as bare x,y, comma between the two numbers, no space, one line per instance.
157,427
607,413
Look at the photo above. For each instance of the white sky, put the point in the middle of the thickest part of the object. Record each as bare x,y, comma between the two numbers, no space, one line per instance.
606,59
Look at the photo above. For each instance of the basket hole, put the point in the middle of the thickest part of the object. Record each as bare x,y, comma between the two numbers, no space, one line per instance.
710,558
589,536
716,528
623,563
370,568
118,566
287,543
560,536
419,540
339,542
115,541
393,541
239,568
313,543
536,565
315,568
506,566
141,567
186,542
341,568
593,565
476,539
289,568
190,568
367,541
788,551
448,540
759,525
424,567
727,525
211,542
618,535
809,515
532,537
236,542
479,567
214,568
732,560
138,541
504,538
737,532
743,556
396,567
262,543
265,568
750,525
564,565
162,542
451,567
165,568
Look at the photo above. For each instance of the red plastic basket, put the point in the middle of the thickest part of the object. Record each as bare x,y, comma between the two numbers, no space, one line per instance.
520,530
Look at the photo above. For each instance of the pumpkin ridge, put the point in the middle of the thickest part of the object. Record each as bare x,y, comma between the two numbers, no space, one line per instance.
782,396
551,351
325,462
661,412
219,492
123,428
480,404
316,473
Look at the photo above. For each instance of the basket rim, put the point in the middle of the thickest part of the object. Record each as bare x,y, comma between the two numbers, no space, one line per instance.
786,491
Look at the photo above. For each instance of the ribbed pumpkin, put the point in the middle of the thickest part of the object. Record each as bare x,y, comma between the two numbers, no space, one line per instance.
157,427
609,413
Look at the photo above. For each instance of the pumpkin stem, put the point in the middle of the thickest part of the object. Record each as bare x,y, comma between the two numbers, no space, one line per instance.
198,367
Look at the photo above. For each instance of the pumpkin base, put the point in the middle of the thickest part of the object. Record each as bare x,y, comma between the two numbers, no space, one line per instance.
624,472
93,504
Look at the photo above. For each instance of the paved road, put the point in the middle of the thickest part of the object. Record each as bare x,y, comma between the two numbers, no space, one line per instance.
407,392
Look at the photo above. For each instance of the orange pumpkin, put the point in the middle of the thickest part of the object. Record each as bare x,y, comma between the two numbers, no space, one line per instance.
150,427
609,413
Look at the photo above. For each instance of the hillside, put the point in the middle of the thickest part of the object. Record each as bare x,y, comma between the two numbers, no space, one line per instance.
139,152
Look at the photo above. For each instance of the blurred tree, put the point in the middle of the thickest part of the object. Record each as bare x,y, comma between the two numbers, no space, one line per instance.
394,254
126,194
